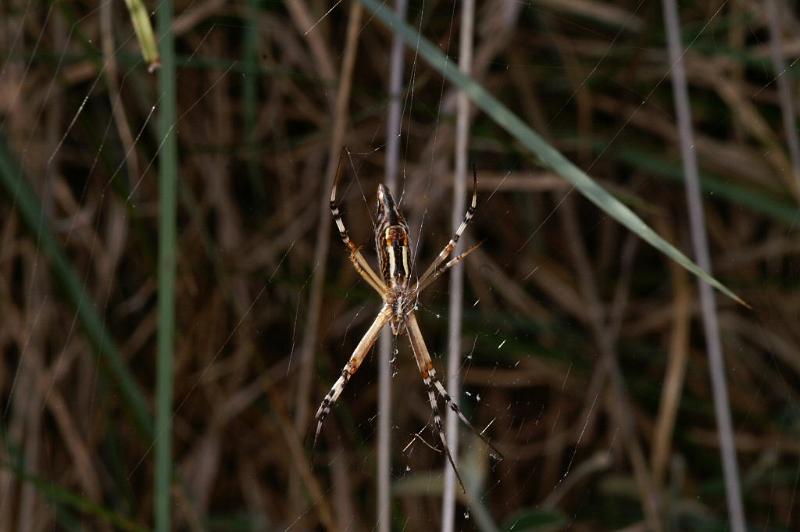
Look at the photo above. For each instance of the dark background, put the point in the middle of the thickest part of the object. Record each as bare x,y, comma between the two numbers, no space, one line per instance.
557,285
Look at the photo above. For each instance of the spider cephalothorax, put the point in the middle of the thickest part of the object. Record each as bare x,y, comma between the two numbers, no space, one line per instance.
399,294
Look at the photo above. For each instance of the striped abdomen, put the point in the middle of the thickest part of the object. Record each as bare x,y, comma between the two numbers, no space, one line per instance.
392,242
394,256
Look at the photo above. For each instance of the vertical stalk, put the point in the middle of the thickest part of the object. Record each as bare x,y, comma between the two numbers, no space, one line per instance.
457,273
250,96
393,131
167,184
784,90
340,110
700,244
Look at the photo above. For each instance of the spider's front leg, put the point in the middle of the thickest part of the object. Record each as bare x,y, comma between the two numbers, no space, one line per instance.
359,262
443,267
351,367
436,265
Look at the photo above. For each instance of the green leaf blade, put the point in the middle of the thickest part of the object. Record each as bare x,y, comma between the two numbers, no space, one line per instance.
547,155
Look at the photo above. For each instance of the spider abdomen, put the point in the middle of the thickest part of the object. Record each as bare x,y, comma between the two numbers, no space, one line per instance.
395,256
391,241
394,259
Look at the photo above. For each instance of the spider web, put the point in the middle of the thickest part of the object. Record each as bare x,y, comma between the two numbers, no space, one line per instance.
570,328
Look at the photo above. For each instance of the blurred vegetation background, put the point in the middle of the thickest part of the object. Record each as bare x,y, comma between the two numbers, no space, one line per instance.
557,290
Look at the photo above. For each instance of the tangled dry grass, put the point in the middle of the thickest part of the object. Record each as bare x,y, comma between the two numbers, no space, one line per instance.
582,347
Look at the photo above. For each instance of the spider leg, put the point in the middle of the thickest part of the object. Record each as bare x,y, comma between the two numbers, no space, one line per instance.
455,408
424,360
451,245
443,267
425,368
351,367
359,262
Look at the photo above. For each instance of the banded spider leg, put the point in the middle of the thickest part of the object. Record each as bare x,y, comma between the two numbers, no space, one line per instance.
356,257
351,367
432,382
436,265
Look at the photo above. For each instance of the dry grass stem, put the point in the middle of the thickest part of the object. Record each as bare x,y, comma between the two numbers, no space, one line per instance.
310,331
581,353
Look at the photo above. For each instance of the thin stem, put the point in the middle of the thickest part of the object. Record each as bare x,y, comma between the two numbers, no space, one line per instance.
784,90
252,45
310,331
167,246
457,274
393,132
111,71
700,244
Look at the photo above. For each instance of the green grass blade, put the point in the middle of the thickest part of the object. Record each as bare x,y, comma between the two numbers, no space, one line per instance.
547,155
167,249
144,32
762,202
30,209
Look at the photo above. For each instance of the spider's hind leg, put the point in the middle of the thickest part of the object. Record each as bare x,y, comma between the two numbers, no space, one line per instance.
455,408
425,366
439,428
429,375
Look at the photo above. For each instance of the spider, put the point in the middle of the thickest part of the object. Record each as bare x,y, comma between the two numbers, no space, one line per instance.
399,294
